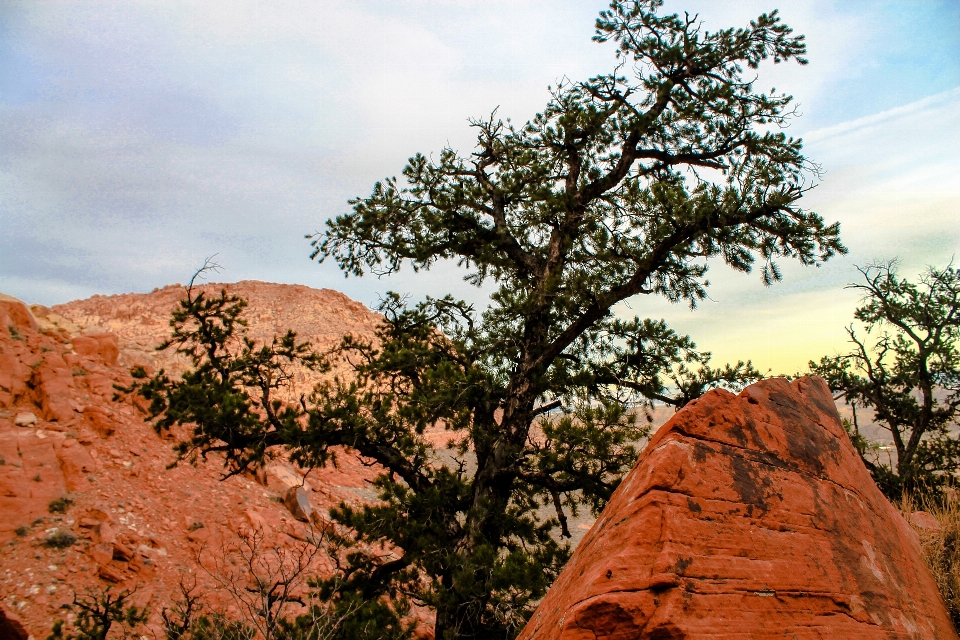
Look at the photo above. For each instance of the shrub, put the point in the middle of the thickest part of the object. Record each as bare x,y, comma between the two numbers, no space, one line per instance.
22,530
60,540
60,505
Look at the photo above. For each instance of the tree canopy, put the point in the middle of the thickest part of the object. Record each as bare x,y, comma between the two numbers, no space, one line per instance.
626,185
905,368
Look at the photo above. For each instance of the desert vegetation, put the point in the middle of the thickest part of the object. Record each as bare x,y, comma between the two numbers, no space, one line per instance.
936,519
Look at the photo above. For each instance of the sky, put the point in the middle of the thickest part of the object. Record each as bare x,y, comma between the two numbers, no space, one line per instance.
138,138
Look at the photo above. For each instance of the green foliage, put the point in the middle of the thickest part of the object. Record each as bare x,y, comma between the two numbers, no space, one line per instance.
98,613
215,394
60,505
623,187
906,369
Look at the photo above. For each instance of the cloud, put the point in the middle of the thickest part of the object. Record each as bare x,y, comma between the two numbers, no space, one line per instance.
138,138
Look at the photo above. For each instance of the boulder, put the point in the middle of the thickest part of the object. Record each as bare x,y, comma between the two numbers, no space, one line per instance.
13,376
122,552
108,573
75,464
925,521
296,500
99,346
25,419
98,419
86,346
100,384
747,516
108,348
41,467
103,533
53,384
280,476
15,315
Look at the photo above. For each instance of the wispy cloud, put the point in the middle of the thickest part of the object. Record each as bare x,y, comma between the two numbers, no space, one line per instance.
946,100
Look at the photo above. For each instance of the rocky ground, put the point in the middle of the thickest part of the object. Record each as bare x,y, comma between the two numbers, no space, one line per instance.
86,498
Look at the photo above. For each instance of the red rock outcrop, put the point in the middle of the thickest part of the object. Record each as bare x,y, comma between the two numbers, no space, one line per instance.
747,516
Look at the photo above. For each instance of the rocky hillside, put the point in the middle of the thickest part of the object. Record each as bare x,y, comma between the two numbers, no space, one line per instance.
86,498
142,321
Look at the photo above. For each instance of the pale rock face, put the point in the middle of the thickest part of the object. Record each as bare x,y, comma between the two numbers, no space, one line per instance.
25,419
296,500
280,476
747,516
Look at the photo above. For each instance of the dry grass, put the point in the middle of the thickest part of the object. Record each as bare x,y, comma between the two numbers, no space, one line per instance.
941,546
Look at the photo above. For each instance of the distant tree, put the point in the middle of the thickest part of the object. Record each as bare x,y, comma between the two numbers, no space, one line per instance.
906,369
625,186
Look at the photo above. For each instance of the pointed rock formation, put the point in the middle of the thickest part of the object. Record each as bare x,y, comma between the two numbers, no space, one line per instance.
747,516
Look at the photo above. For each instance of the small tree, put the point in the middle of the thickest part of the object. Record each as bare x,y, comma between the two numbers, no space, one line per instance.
100,612
624,186
906,369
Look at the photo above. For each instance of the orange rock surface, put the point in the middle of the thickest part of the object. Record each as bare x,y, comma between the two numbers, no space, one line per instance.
747,516
136,523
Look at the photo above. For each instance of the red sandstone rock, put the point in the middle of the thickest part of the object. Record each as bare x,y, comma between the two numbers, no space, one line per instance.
109,573
53,384
100,346
99,420
85,346
76,464
11,628
747,516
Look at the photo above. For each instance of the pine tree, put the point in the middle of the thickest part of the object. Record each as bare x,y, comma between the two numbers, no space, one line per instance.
625,186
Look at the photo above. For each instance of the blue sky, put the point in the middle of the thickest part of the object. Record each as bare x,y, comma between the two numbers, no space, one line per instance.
137,138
